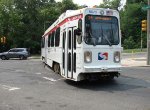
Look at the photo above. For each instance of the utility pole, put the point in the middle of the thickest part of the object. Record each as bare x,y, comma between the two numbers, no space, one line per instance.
148,34
141,41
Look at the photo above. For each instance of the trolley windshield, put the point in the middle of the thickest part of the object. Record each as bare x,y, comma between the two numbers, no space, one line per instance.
101,30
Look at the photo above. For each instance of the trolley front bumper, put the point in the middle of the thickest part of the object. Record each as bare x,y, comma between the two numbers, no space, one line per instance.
96,69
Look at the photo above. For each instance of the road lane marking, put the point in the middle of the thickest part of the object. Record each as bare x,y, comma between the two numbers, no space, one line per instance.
38,73
53,80
14,88
9,88
50,79
60,79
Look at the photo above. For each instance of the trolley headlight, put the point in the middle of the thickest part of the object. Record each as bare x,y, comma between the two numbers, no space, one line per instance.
87,57
117,57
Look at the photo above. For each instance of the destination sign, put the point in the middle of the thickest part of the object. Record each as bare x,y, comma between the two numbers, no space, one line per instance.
99,18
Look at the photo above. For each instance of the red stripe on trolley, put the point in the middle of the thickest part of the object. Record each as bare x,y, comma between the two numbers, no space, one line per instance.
72,18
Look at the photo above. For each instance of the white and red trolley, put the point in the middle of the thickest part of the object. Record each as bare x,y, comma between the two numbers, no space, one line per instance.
84,44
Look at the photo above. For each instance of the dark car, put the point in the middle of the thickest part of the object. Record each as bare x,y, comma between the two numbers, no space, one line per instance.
21,53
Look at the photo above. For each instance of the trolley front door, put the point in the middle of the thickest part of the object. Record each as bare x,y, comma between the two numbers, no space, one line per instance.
64,54
69,53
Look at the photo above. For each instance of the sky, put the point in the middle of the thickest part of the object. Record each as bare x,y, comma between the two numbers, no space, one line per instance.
90,3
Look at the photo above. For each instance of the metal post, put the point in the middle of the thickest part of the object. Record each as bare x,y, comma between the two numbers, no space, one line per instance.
148,34
141,41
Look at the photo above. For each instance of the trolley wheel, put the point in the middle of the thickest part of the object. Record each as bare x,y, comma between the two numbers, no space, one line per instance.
56,68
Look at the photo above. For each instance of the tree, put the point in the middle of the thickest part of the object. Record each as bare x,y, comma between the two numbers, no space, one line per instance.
23,21
113,4
131,18
68,5
136,1
9,21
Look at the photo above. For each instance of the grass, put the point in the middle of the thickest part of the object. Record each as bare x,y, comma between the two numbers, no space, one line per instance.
134,50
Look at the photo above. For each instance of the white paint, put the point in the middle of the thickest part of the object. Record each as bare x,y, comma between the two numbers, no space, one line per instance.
38,73
60,79
53,80
9,87
50,79
20,71
14,88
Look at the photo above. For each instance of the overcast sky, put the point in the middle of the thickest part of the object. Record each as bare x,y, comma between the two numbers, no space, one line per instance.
89,2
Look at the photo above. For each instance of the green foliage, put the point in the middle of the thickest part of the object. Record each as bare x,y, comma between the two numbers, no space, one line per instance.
129,43
113,4
136,1
23,22
131,18
68,4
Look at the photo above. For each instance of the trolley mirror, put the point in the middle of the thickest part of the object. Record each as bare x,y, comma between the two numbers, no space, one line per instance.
78,35
80,25
78,31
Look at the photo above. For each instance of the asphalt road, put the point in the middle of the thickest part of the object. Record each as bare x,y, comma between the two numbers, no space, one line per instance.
28,85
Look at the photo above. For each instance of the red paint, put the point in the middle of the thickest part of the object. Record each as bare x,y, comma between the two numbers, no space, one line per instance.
72,18
106,55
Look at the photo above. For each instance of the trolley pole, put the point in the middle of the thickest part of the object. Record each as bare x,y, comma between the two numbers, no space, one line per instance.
148,34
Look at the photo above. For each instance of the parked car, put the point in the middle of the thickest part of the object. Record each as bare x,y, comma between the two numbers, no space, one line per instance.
21,53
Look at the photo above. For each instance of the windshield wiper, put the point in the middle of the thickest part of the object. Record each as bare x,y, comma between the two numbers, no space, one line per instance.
107,40
106,37
93,38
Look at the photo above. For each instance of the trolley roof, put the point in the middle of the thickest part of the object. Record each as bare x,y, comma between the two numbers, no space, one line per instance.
71,13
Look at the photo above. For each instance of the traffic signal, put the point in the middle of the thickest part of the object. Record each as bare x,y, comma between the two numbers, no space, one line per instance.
144,25
2,40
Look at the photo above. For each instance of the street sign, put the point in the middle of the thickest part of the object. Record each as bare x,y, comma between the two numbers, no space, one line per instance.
146,7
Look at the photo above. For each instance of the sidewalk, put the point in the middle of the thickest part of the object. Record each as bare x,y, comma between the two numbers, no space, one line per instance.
129,62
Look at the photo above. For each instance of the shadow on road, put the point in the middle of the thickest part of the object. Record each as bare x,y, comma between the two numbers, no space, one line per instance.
103,85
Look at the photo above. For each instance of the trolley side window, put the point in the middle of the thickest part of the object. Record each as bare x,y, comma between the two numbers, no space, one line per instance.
74,40
57,37
64,38
69,39
49,38
52,39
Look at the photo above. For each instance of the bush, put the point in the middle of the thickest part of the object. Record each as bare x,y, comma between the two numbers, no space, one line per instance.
129,43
